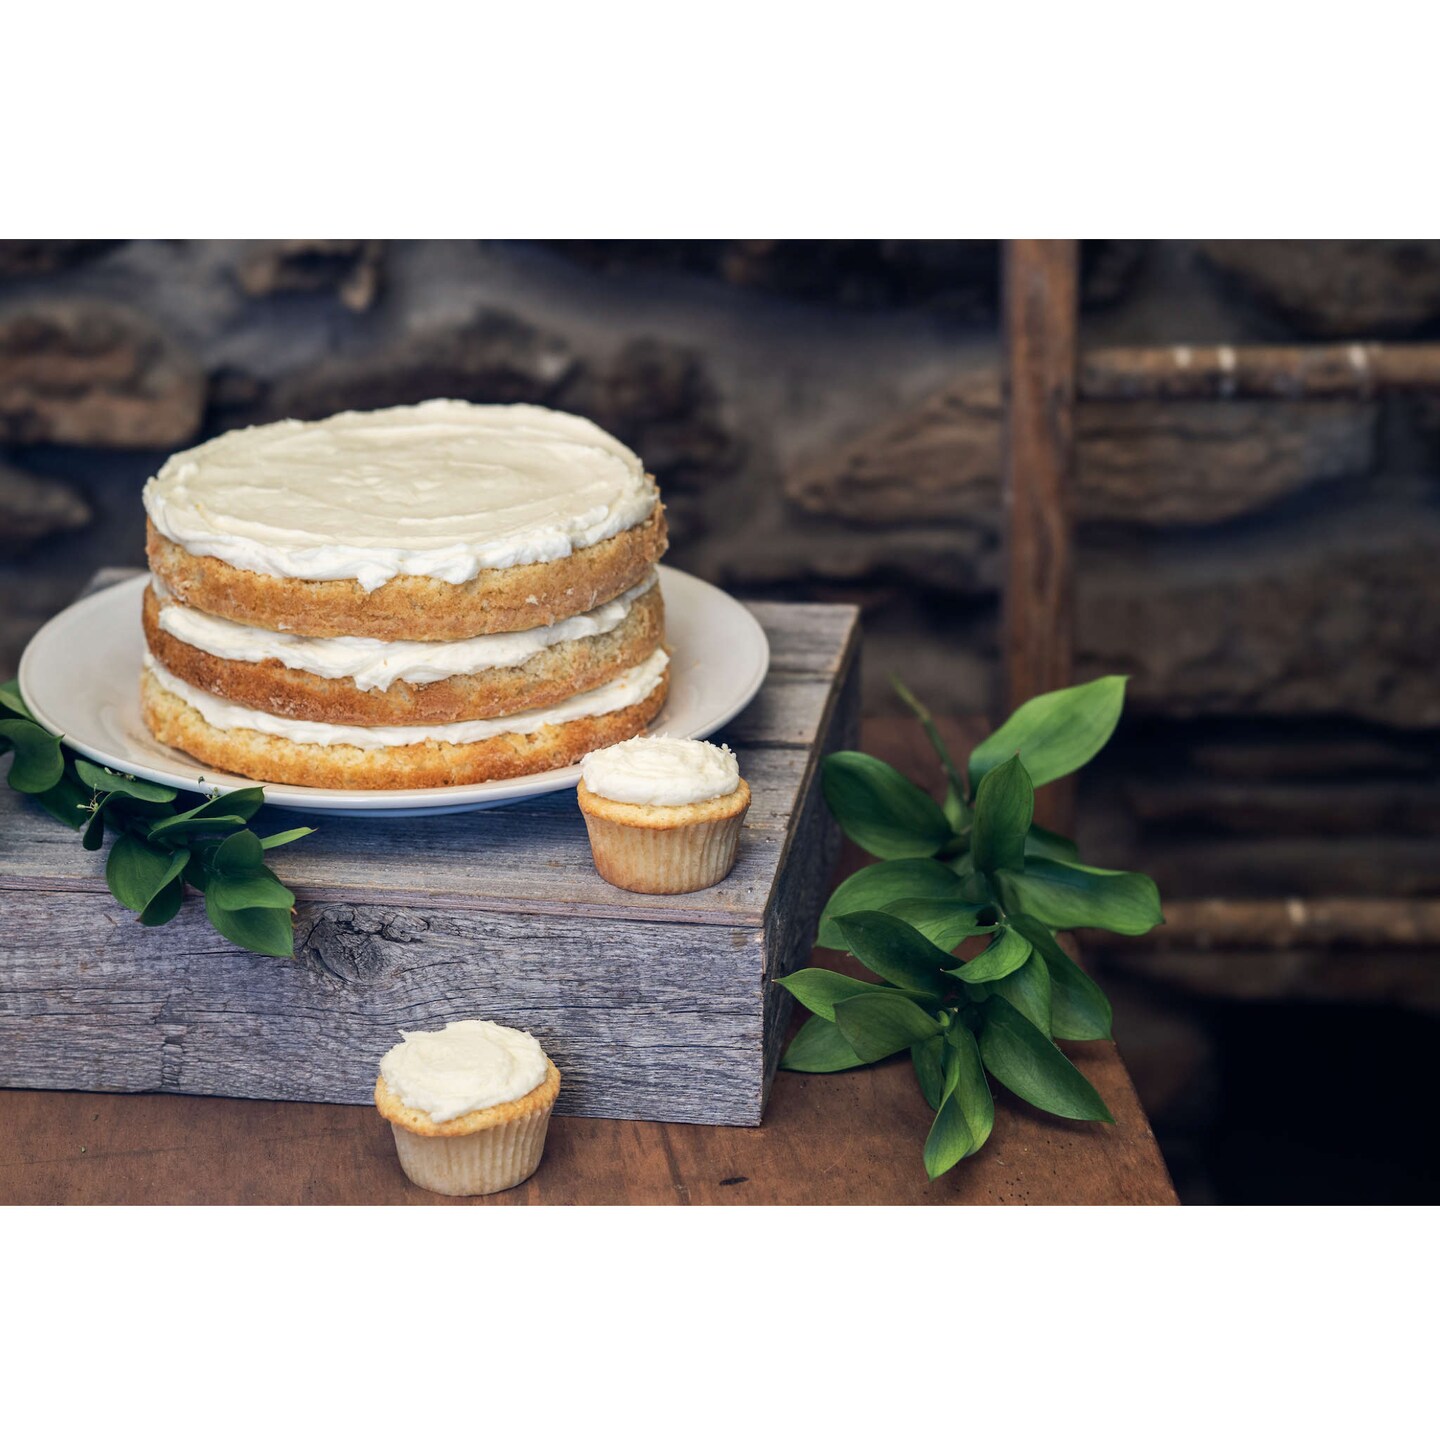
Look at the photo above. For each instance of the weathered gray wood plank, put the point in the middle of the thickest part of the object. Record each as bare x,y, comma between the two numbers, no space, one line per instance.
803,876
807,639
788,711
653,1021
654,1007
534,856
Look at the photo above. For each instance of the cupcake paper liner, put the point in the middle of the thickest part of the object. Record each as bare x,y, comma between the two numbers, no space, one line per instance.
480,1163
670,861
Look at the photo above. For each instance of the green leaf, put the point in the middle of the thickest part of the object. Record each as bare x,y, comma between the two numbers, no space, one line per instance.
1028,990
875,1026
877,887
1004,807
260,890
265,932
1066,897
1046,844
166,905
949,1140
238,854
97,777
13,701
1005,954
38,764
928,1058
819,990
1079,1009
67,800
819,1049
879,809
1027,1064
180,827
972,1090
285,837
137,871
957,812
240,803
943,923
978,889
210,817
1054,734
149,811
894,951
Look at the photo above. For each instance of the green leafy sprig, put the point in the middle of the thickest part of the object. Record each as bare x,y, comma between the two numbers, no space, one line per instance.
158,849
976,866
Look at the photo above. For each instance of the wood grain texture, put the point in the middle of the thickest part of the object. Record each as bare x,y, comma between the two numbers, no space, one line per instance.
1041,316
532,856
644,1019
652,1006
851,1139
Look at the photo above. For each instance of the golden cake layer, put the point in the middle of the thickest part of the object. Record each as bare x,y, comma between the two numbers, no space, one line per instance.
414,607
427,763
545,679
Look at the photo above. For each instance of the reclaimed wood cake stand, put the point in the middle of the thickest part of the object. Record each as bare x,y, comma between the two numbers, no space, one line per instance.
653,1007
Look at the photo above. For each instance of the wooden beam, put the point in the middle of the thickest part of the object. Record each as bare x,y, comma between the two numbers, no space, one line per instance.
1348,923
1293,372
1040,315
1351,950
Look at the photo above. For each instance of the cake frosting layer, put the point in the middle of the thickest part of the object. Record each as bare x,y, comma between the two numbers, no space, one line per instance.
662,770
444,490
379,664
627,690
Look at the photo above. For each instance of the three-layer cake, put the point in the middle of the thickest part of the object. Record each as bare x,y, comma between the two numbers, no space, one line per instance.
435,594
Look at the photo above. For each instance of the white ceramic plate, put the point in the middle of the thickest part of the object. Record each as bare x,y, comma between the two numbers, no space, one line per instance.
81,677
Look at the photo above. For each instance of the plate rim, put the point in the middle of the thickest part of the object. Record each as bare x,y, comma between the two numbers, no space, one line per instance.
431,800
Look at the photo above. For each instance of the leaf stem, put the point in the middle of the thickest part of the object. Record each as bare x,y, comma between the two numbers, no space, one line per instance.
927,721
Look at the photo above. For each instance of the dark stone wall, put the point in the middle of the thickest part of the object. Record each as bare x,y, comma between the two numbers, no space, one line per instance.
824,420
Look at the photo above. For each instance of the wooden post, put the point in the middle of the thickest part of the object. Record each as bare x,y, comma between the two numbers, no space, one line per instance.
1040,320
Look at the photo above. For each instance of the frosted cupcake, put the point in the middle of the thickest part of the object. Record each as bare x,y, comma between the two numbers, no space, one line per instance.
664,815
469,1105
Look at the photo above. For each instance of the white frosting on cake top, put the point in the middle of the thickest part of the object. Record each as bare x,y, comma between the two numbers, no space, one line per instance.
444,489
469,1065
627,689
378,664
659,770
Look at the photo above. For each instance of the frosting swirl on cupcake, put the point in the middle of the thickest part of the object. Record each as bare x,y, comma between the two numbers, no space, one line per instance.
469,1065
659,770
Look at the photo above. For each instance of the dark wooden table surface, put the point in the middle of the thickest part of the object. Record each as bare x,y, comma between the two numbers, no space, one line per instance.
848,1139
